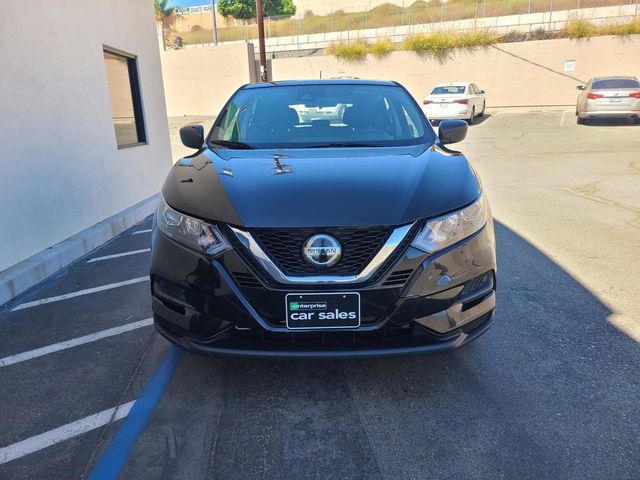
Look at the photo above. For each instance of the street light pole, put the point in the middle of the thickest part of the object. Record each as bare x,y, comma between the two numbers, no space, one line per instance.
263,55
215,28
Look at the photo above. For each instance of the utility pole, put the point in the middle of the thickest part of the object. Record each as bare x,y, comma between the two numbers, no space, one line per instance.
215,28
263,54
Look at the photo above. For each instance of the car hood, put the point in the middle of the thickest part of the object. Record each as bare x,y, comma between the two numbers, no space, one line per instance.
321,187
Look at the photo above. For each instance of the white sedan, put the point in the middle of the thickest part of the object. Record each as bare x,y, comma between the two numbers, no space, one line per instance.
454,100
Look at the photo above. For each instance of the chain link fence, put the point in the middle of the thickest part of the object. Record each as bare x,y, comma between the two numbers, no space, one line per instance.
196,28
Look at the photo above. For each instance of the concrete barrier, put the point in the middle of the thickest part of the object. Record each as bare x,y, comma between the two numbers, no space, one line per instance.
198,81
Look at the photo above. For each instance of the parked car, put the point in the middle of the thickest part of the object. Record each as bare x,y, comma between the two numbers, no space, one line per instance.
455,100
364,237
609,97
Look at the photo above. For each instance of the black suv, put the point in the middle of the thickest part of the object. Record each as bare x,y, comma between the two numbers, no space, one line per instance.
323,219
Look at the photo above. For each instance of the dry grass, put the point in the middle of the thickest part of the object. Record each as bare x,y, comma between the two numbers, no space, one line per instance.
386,15
355,52
442,45
381,48
578,28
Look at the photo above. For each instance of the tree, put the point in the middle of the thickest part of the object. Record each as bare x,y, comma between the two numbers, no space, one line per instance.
246,9
241,9
164,16
273,8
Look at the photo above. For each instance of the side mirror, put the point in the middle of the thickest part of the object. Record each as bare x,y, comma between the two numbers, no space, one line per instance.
482,91
580,87
192,136
452,131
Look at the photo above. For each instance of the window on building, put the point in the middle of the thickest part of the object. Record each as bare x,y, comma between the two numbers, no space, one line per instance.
126,101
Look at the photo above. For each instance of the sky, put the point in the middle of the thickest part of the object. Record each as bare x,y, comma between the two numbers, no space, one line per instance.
190,3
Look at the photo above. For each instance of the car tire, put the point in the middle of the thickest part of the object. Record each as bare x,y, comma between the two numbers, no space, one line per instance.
636,120
473,116
481,114
581,121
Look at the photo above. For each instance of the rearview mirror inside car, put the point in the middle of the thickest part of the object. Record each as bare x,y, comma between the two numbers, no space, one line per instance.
452,131
192,136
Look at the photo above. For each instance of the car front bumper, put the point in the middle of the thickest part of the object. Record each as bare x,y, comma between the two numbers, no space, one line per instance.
421,304
609,114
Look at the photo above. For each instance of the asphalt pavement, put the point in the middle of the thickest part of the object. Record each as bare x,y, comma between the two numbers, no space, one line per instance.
551,391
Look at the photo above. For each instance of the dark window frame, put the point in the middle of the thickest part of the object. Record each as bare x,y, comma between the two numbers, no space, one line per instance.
136,96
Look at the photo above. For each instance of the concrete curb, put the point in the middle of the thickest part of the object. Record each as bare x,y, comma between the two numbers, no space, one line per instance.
30,272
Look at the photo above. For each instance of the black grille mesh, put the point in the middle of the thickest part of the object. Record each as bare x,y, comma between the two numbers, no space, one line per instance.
284,246
481,282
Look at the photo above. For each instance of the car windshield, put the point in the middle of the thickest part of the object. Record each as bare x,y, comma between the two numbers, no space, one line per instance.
449,90
615,83
317,116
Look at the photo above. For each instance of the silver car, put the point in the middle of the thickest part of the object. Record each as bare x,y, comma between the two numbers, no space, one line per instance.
609,97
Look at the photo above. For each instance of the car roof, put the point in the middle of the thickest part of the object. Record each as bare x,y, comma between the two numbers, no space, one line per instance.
615,77
342,81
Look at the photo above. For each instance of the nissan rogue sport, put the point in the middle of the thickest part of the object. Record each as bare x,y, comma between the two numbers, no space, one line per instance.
323,219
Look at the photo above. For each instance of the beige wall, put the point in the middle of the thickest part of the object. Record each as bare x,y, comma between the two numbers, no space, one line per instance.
509,81
61,169
199,81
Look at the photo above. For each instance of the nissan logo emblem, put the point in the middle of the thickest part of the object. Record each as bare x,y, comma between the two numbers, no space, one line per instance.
322,251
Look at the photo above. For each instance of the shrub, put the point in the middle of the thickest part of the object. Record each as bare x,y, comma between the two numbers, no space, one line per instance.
579,28
621,29
441,45
513,36
381,48
355,52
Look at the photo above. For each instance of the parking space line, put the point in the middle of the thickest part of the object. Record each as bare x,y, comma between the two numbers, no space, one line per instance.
118,255
138,232
117,452
79,293
74,342
65,432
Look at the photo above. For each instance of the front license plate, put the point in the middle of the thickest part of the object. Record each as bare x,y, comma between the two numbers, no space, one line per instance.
309,311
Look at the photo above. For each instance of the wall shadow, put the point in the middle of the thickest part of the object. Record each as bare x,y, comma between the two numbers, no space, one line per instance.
550,391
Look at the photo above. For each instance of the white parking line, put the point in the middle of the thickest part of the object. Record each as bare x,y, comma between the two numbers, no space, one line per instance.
564,114
79,293
74,342
65,432
118,255
138,232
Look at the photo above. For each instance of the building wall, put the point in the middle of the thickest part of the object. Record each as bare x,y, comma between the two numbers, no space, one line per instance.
522,74
199,81
61,169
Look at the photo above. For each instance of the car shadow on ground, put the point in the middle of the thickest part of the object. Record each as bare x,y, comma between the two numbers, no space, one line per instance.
550,391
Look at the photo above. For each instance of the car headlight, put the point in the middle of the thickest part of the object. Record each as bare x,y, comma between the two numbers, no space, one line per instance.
189,231
442,232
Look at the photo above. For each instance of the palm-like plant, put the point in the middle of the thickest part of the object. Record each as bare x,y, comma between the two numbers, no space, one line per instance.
165,15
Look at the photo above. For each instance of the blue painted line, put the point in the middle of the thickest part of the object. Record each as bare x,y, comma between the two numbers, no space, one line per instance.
115,456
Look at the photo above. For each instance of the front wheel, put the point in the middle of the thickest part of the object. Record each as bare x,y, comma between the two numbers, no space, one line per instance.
484,106
581,121
473,116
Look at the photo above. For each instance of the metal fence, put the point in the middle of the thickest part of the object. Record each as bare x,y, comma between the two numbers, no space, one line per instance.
197,28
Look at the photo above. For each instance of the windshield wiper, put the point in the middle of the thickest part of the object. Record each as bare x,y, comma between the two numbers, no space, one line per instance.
231,144
341,145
